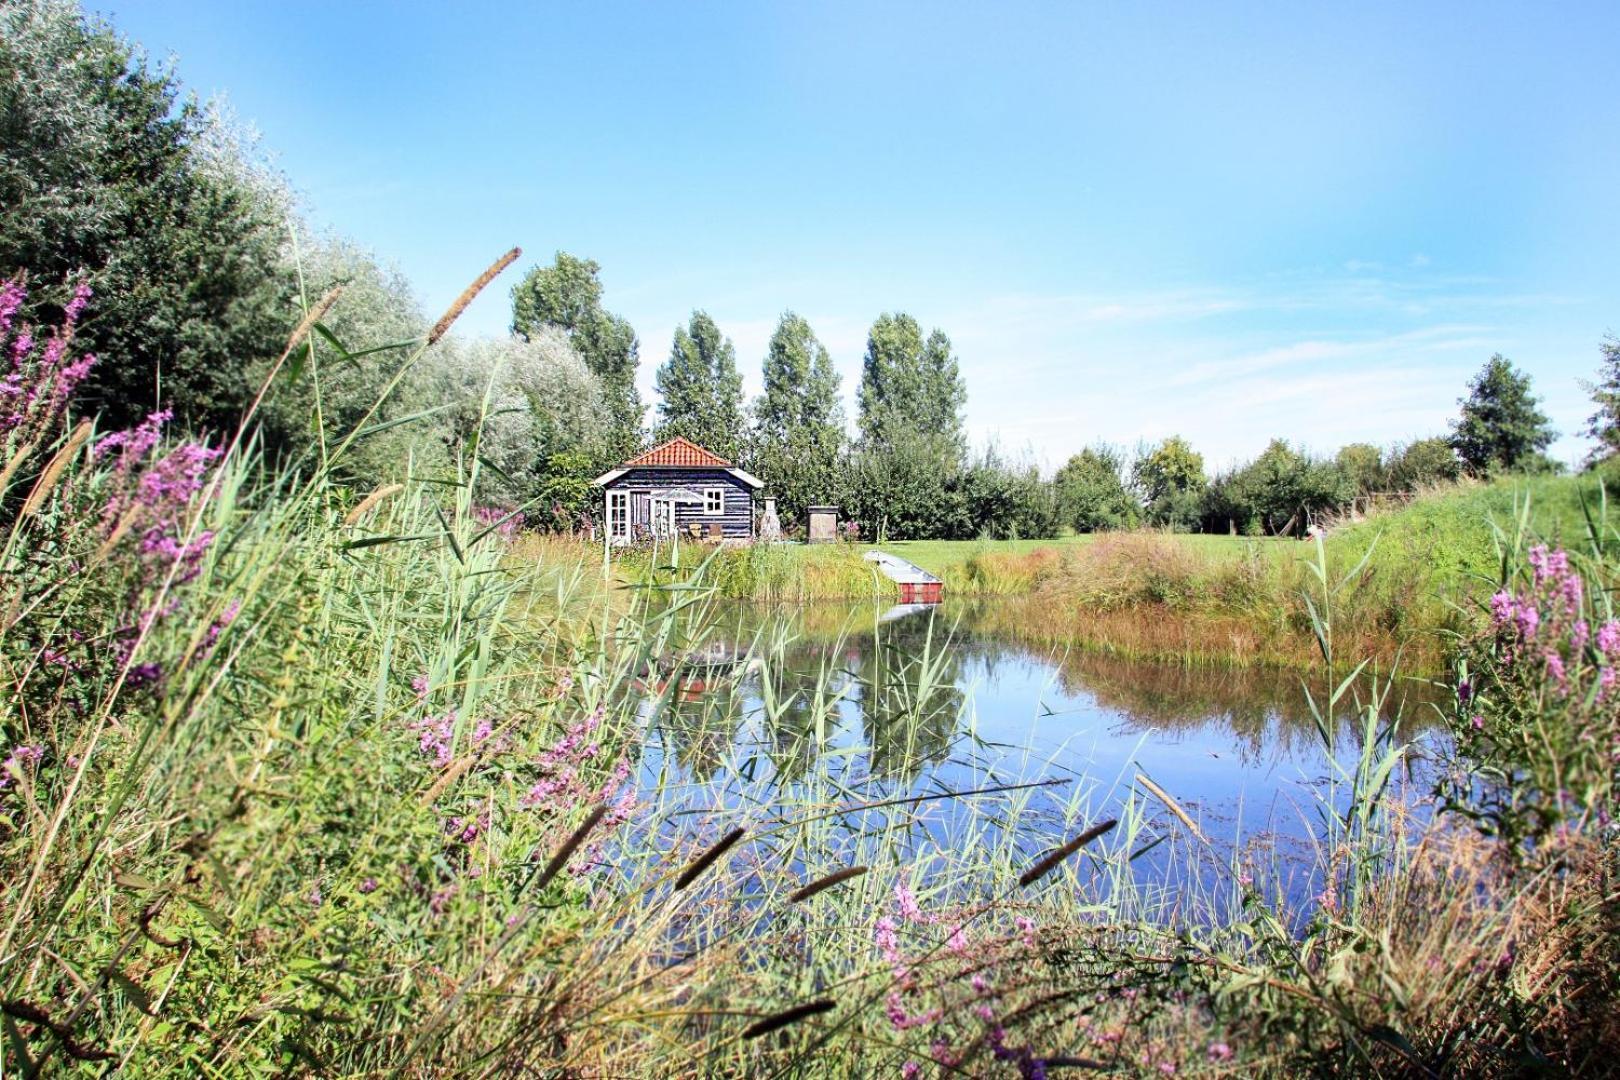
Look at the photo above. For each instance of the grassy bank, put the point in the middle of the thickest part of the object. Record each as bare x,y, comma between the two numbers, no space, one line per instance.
1187,598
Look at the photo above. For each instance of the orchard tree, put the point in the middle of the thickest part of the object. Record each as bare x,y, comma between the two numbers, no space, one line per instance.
1169,479
1280,492
1363,466
107,171
700,389
911,386
1604,426
1500,429
568,295
798,422
1423,463
1091,493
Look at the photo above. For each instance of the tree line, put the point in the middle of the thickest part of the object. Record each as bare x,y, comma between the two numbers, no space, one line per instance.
201,258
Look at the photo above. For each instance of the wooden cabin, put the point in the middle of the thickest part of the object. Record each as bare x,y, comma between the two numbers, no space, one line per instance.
677,486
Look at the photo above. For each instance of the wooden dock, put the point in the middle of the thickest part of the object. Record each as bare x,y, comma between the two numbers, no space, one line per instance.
917,586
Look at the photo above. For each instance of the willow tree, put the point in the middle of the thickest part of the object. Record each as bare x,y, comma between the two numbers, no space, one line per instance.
567,295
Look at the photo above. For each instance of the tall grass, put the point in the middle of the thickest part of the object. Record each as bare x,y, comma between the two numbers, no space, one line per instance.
356,787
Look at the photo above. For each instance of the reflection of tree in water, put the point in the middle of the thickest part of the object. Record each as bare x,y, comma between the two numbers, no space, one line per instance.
900,679
904,679
699,725
1264,710
910,694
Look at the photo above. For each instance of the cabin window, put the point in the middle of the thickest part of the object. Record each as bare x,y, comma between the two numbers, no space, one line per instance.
618,514
714,502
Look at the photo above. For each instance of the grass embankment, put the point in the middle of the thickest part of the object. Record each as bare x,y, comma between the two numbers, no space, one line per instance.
1191,598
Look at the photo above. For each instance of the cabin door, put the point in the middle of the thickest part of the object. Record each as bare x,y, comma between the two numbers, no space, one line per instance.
663,518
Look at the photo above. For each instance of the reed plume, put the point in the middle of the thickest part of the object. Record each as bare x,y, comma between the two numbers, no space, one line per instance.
454,311
372,500
53,471
1171,804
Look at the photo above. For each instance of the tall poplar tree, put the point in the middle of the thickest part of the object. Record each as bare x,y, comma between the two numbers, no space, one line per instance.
701,389
798,429
911,387
568,295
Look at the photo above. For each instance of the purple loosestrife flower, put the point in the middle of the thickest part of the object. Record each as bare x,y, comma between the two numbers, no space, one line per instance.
435,735
13,765
1608,640
35,389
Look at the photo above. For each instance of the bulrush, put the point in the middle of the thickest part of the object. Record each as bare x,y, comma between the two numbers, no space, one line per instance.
777,1021
571,845
1057,855
468,294
707,859
820,884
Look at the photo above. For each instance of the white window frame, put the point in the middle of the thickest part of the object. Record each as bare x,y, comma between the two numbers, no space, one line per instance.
618,515
714,511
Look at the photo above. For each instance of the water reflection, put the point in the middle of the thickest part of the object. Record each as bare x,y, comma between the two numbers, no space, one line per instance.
843,713
894,694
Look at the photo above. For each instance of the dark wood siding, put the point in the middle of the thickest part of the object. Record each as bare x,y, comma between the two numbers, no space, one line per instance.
737,522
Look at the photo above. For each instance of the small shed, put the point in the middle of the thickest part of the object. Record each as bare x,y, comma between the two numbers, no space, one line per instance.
672,487
823,524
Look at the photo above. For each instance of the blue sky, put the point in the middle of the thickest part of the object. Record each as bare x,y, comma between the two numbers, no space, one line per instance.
1230,221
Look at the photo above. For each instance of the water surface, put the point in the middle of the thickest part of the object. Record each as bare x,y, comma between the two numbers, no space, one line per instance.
874,703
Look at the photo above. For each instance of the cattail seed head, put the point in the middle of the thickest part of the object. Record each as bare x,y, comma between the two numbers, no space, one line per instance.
571,845
707,859
1052,858
820,884
777,1021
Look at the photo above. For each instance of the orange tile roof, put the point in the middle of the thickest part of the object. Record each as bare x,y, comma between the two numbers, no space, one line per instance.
679,452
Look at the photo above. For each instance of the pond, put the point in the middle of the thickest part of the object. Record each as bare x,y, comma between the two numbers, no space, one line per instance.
857,705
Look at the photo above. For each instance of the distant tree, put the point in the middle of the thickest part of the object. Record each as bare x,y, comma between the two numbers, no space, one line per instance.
1423,463
568,295
566,500
910,385
1283,491
1091,493
1500,428
1604,425
700,389
798,422
106,170
1363,466
1169,479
